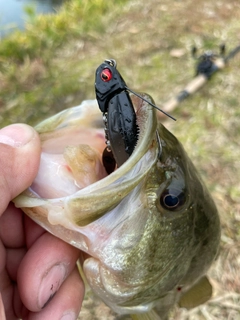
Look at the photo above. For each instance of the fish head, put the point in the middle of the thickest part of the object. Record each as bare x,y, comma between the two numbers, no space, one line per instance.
148,230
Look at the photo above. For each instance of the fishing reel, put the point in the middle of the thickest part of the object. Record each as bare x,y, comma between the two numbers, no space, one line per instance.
206,61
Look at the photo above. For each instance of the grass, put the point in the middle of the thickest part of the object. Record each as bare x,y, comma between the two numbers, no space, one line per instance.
32,63
51,66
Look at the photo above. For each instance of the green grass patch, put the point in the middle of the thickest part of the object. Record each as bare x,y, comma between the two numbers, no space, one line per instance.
41,68
48,32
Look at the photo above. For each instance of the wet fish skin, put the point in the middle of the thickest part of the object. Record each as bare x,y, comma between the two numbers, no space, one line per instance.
170,249
143,254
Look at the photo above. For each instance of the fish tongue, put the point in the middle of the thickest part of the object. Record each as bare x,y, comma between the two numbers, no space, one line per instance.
64,174
85,164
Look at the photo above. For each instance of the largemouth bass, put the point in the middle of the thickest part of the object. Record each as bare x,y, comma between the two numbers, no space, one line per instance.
150,229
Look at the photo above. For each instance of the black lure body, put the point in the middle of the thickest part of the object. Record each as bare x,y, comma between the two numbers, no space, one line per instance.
121,128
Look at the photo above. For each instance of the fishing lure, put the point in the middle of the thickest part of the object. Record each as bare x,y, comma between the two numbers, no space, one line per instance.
121,129
119,117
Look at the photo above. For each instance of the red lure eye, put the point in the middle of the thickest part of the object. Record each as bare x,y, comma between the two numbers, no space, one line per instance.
106,75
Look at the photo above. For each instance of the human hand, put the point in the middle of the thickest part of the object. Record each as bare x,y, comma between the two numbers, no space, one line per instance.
34,265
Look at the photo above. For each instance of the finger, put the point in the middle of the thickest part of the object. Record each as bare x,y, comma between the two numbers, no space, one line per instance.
19,160
11,227
14,258
43,270
17,229
66,303
20,310
3,259
7,294
32,231
2,312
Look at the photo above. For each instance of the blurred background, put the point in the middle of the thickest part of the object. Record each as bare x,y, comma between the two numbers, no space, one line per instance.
50,64
14,12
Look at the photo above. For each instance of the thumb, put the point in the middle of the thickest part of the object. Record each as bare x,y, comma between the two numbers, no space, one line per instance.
19,160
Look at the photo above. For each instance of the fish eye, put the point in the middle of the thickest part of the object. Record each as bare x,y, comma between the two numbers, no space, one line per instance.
172,199
106,75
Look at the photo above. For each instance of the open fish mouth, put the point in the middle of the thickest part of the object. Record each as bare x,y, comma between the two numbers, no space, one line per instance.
73,187
71,192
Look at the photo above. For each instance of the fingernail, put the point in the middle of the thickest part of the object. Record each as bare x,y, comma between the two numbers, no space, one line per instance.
50,284
16,135
69,316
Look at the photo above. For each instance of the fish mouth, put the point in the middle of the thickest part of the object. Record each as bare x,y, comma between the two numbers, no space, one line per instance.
73,127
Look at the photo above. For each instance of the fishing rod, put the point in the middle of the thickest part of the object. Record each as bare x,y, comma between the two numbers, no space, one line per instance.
209,63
